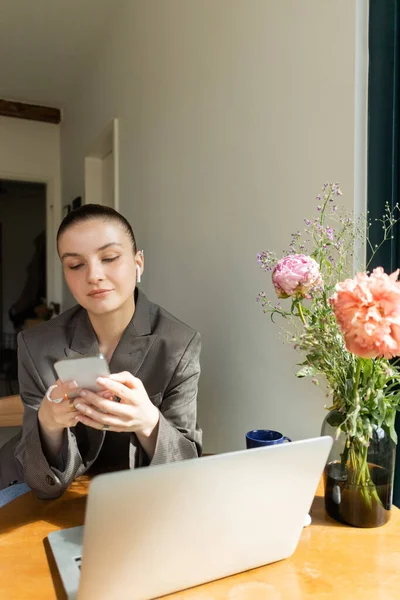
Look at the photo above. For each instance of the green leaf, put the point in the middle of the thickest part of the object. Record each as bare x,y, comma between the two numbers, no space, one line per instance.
307,371
390,419
367,369
348,386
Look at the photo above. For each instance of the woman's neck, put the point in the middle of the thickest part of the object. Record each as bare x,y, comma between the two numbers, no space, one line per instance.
109,328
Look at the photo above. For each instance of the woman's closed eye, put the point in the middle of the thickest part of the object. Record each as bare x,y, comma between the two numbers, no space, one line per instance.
109,259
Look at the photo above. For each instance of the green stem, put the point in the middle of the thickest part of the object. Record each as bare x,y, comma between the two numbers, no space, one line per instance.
357,456
321,219
301,314
357,379
361,477
345,454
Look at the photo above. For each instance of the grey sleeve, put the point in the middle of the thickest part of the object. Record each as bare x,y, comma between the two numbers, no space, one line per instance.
46,480
179,436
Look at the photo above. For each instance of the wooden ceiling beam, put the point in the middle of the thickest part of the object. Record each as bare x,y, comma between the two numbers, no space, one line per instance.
31,112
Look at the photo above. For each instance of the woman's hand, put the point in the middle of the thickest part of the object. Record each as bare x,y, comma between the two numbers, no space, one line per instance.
135,411
55,417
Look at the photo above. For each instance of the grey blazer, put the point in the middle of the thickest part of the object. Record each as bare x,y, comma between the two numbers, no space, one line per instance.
162,351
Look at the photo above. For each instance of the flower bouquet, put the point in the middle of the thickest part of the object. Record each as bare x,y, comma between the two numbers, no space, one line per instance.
348,330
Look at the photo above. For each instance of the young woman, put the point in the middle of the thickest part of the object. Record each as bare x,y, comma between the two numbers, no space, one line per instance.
153,358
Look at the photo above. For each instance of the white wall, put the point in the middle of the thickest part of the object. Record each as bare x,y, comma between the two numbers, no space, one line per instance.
30,151
232,115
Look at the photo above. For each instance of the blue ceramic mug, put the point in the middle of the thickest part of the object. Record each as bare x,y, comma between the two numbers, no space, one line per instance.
264,437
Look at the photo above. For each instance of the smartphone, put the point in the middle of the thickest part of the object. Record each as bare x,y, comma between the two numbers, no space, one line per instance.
84,370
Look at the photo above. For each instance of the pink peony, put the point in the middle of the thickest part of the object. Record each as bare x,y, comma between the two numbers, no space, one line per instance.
367,309
296,275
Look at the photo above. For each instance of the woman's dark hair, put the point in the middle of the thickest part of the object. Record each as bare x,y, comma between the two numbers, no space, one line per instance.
95,211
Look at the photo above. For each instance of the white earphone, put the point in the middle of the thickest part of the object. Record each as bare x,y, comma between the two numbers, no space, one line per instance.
138,272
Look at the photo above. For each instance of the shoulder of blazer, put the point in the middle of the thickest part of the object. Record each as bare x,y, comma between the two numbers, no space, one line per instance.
150,318
162,321
61,326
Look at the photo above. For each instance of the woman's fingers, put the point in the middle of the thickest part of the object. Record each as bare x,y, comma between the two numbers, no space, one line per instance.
122,390
93,418
69,387
131,414
119,389
101,404
105,394
90,422
74,419
61,390
126,379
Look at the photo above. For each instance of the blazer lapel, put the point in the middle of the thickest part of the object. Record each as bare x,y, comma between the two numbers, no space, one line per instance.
136,341
83,341
133,347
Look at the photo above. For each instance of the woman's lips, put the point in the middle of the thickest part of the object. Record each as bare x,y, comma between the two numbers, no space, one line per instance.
99,293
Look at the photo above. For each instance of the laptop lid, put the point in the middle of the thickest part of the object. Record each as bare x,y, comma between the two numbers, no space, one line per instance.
157,530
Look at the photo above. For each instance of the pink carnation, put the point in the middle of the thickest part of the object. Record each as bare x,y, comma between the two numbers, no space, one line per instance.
296,275
367,309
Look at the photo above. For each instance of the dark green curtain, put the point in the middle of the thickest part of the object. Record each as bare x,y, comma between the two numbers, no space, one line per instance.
383,139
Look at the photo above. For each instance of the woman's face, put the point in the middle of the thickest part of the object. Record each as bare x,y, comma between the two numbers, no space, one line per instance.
99,264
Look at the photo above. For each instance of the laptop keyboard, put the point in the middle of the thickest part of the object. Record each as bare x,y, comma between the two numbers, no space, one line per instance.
78,560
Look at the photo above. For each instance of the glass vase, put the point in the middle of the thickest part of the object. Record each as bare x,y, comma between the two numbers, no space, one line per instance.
358,478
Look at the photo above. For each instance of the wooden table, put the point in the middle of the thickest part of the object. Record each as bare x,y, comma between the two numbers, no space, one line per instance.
332,561
11,410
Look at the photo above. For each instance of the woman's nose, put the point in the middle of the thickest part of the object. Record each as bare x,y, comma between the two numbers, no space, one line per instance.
95,272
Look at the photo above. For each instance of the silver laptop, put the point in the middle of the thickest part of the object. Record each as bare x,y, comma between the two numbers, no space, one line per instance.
158,530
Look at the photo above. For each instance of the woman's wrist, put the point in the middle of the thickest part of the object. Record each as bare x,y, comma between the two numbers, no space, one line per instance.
147,437
152,423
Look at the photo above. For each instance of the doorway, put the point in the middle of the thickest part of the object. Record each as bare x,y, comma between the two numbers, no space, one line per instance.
23,284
